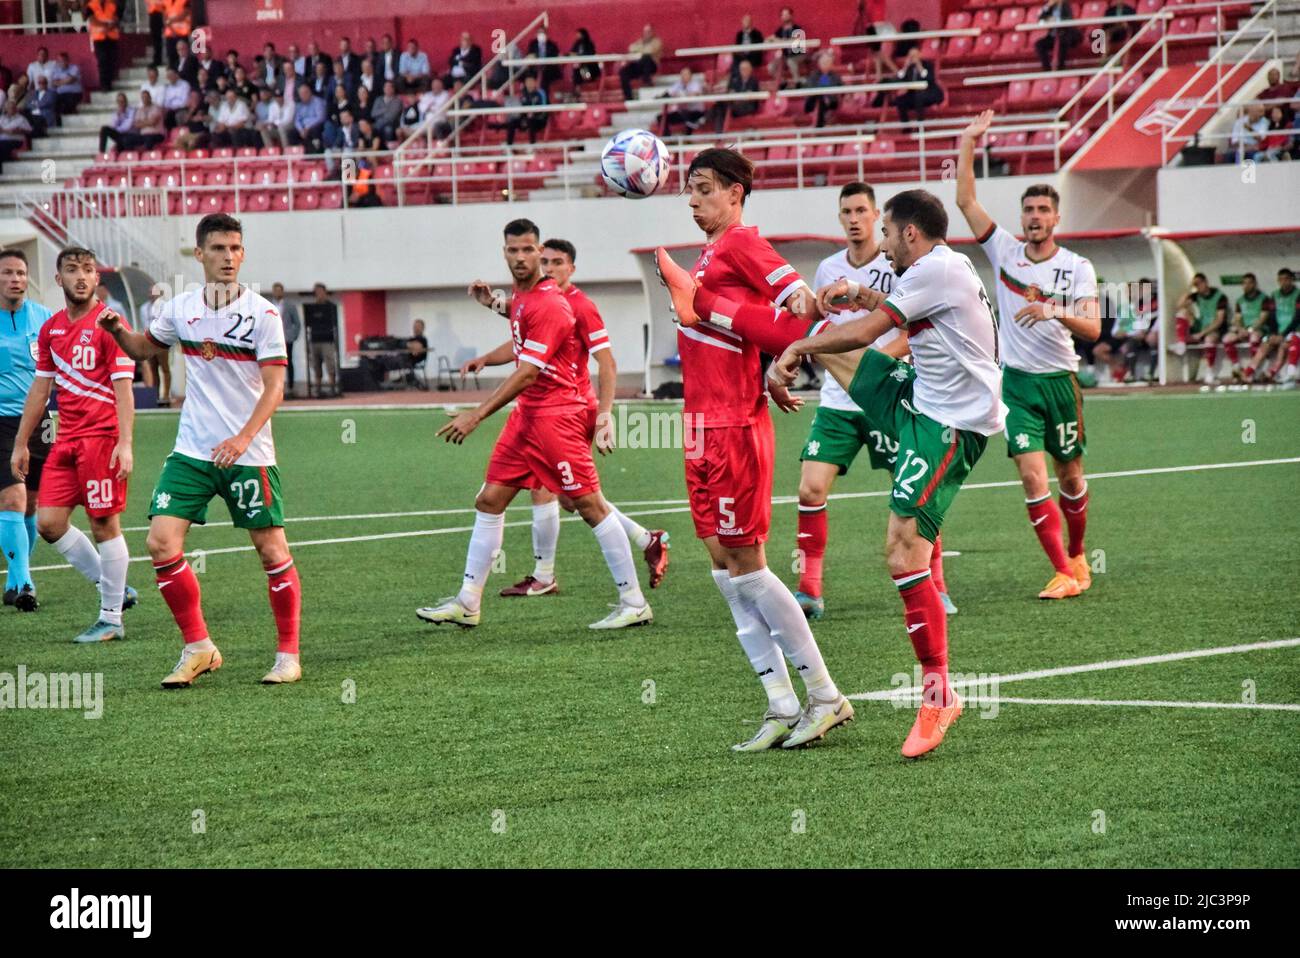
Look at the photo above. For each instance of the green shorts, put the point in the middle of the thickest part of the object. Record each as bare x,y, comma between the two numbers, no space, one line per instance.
187,485
933,459
1044,414
837,435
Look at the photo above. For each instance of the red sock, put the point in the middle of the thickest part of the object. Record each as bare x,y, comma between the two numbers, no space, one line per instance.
1076,519
1249,372
285,590
1046,520
1211,356
1293,351
771,330
927,627
1230,350
180,589
936,564
812,541
1182,326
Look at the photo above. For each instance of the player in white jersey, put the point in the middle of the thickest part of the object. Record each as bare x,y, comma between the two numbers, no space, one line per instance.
235,361
1046,296
840,429
941,410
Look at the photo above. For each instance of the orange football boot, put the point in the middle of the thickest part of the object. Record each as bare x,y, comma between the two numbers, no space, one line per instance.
931,723
1062,586
1082,571
681,287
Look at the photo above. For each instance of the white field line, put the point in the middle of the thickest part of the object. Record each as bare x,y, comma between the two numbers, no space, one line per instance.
776,500
1134,703
907,692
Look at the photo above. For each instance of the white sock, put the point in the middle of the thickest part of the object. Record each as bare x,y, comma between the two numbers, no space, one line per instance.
113,561
636,533
785,620
202,645
763,654
618,556
77,548
484,543
546,533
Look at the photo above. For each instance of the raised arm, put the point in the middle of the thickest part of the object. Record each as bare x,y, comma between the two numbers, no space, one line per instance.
136,345
977,218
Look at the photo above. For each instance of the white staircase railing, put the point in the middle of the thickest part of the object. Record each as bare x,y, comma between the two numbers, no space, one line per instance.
121,233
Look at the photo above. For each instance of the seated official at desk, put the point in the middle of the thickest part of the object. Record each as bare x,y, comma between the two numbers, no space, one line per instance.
382,362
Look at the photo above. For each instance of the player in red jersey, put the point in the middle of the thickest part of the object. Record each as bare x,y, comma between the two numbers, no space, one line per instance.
558,259
729,477
546,440
91,459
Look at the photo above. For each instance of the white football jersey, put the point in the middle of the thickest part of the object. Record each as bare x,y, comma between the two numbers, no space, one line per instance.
1066,278
225,350
954,340
878,275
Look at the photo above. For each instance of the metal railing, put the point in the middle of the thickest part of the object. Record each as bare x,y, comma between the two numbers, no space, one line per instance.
120,233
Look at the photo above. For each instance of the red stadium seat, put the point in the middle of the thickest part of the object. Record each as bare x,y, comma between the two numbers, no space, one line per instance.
103,158
958,21
175,205
1018,92
1150,6
175,154
246,151
280,201
1043,92
1067,88
270,151
306,200
216,177
1011,17
985,19
959,48
257,201
1013,44
1043,138
198,154
129,156
1208,24
223,153
193,177
1182,26
932,48
986,45
151,156
332,198
298,150
1096,87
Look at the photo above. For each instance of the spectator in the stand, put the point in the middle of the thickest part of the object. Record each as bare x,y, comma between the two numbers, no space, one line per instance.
363,104
41,106
340,139
292,327
41,66
343,80
243,85
534,123
905,44
272,67
433,103
206,83
542,47
289,80
147,128
914,103
583,47
1248,132
294,56
232,63
278,121
14,130
368,81
1118,34
387,61
350,62
66,84
386,112
465,60
233,122
122,121
186,63
195,121
219,88
824,77
413,65
687,84
747,35
1277,144
790,59
410,119
1058,40
178,24
19,89
339,102
6,76
744,80
370,141
322,84
648,49
104,23
213,66
175,95
308,121
1278,90
313,57
155,85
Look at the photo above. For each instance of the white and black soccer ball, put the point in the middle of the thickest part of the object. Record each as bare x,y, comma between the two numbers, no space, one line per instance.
635,163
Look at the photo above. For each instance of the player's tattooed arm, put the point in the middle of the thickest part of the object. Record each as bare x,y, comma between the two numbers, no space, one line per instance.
505,353
38,397
462,425
136,345
977,218
123,459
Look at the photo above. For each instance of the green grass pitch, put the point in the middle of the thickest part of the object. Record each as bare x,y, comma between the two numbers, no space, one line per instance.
529,741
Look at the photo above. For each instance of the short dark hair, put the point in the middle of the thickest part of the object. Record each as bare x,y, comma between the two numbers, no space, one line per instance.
729,166
216,223
14,253
320,286
1196,276
857,187
522,227
73,252
921,209
1284,271
1042,189
562,246
1251,275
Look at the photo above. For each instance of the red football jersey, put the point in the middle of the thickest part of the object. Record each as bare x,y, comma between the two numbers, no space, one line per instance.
542,325
592,338
720,371
83,360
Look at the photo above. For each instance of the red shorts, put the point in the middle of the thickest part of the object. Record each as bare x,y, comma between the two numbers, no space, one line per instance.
547,452
730,484
77,473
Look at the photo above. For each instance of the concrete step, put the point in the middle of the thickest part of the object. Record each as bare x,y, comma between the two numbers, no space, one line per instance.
550,193
87,118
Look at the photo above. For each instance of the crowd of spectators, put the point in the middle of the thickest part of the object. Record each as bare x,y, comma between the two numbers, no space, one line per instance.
1266,129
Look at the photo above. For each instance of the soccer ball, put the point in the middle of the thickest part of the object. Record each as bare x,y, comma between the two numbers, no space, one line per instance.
635,163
